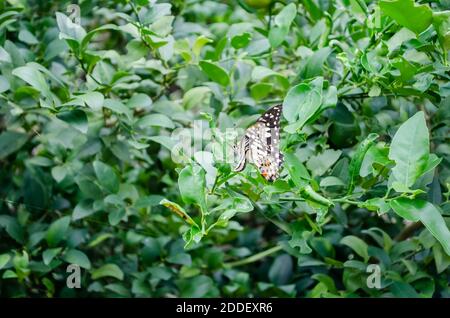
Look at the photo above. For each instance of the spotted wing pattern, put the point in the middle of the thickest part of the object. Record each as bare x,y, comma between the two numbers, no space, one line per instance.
260,145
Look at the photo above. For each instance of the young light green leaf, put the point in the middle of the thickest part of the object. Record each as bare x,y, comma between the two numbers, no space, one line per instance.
415,17
199,43
192,185
108,270
410,150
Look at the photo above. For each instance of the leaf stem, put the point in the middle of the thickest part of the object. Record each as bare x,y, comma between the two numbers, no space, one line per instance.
254,258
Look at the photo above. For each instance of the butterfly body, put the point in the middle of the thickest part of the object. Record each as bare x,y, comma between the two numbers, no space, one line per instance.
260,145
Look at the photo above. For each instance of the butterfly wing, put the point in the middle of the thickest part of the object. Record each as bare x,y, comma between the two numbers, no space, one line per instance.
260,145
274,159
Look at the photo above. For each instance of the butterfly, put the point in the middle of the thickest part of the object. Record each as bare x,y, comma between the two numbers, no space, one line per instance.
259,145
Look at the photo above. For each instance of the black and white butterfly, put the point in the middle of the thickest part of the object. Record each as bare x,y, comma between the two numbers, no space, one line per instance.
260,145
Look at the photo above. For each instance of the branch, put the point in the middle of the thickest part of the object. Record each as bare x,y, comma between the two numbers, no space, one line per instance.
408,231
254,258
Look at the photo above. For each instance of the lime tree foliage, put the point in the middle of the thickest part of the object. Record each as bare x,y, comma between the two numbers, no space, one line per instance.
91,101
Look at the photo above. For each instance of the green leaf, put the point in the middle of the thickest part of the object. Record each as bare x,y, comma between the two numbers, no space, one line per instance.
403,290
300,104
12,227
139,101
117,107
94,100
281,270
230,206
320,163
415,17
165,141
441,259
375,204
89,187
410,150
357,245
283,21
76,118
277,35
300,238
286,15
9,274
77,257
260,90
196,97
33,77
241,40
57,231
27,37
215,72
108,270
136,49
88,37
192,185
377,155
49,255
158,120
198,287
358,157
441,23
4,259
417,209
314,64
199,43
106,176
10,142
115,215
35,191
4,84
59,173
399,38
297,170
180,259
68,29
82,210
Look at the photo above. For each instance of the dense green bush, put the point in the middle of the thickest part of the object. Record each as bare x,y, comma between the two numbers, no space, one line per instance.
91,109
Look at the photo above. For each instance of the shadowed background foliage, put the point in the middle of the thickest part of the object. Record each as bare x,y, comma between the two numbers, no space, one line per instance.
90,107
